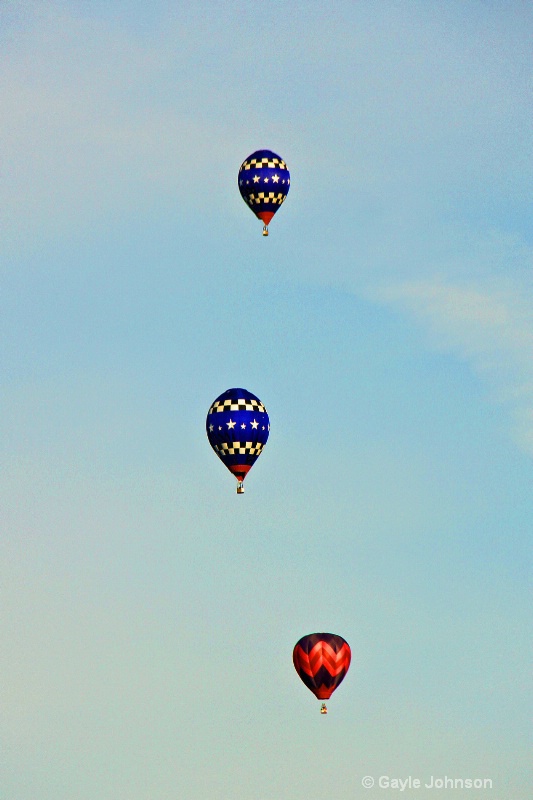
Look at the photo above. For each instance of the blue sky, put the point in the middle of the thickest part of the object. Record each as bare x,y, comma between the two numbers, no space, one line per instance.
387,325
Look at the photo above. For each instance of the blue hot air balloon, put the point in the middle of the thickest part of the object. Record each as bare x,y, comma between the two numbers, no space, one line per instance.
237,427
264,183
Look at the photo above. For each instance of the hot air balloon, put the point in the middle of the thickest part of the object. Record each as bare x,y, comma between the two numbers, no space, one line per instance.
322,661
237,427
264,183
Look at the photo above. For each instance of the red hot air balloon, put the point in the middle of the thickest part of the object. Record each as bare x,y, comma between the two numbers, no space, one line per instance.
322,661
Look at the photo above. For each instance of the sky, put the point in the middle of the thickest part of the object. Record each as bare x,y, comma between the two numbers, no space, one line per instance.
148,612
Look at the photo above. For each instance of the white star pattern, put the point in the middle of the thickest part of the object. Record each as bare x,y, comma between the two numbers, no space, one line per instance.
254,425
243,425
275,178
211,428
230,424
266,180
256,178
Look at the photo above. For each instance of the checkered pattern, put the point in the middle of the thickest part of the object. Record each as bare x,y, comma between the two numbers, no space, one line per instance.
264,170
238,448
241,404
237,414
259,163
265,197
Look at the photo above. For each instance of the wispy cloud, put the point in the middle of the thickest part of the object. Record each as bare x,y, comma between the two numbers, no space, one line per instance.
96,119
489,325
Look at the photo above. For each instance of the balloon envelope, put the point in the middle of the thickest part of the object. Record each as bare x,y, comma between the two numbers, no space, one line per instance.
322,661
237,427
264,183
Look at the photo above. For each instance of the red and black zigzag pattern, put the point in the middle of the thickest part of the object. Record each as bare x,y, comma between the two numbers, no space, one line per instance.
322,661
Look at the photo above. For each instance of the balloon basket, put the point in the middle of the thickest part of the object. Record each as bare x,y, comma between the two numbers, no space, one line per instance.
265,230
323,709
240,487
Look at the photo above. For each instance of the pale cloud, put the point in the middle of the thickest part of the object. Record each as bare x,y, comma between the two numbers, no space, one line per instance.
489,324
96,120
